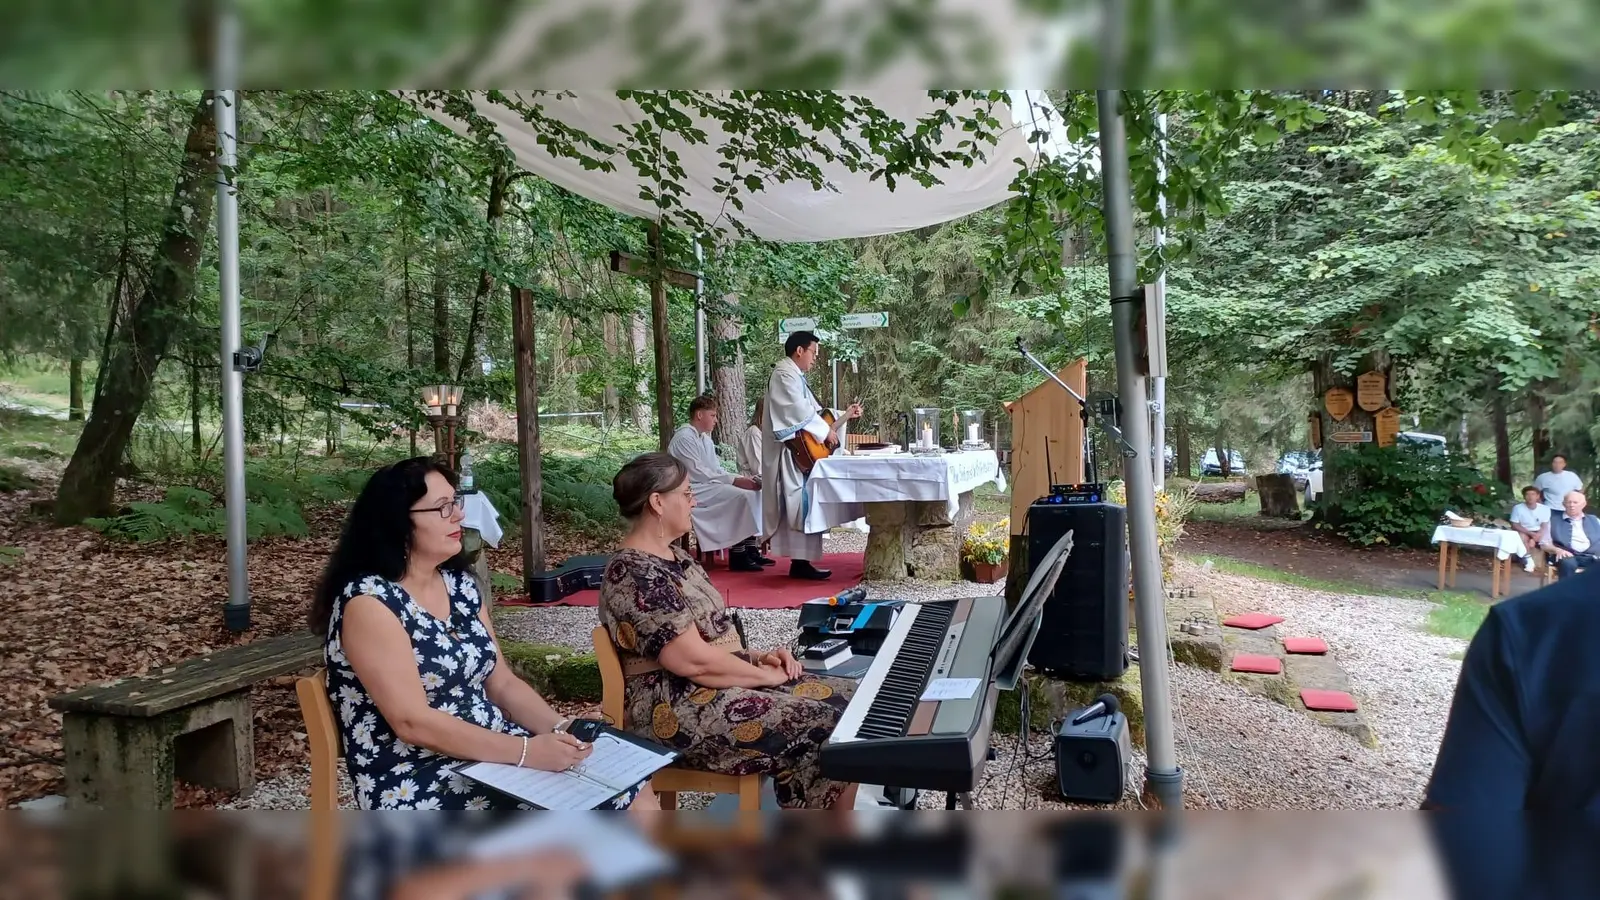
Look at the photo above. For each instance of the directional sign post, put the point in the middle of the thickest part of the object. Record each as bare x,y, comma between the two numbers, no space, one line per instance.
789,326
865,320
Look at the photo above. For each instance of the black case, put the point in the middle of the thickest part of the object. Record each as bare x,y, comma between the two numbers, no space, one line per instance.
865,625
578,573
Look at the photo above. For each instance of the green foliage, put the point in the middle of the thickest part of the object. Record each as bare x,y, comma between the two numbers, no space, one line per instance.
13,479
1395,495
185,512
577,489
1456,615
10,556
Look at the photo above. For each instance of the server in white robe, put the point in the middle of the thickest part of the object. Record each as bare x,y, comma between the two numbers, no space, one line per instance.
727,511
749,446
790,409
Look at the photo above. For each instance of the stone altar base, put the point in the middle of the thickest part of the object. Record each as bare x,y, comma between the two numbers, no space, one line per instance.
916,539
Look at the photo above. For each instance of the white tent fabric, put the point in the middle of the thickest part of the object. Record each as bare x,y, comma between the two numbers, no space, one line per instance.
856,206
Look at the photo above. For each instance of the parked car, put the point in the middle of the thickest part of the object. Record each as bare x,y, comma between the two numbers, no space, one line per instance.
1298,463
1431,444
1211,465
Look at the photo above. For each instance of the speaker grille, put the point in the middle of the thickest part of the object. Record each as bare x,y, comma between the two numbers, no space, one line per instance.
1083,632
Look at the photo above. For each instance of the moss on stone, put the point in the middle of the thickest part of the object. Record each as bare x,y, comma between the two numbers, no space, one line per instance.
559,673
1050,698
1008,709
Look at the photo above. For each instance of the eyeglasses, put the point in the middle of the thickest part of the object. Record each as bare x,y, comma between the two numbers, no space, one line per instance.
445,509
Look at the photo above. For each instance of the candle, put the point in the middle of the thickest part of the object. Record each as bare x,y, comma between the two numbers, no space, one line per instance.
972,432
927,437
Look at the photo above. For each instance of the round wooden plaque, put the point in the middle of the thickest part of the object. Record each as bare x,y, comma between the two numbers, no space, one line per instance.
1339,402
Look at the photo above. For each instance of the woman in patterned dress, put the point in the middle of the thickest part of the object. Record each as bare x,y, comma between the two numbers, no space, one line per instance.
413,663
689,684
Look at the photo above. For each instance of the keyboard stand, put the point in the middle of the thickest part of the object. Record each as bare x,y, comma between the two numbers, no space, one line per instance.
951,798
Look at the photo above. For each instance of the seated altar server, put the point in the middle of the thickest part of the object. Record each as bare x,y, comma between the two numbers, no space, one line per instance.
790,409
727,509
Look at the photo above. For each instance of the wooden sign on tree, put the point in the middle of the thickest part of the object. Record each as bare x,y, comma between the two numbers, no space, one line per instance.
1339,402
1316,431
1372,391
1387,426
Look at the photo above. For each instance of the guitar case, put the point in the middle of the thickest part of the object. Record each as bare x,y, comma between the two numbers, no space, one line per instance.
578,573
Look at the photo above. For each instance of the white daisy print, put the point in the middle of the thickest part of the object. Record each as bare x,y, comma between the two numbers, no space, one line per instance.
428,803
407,791
432,681
478,803
401,768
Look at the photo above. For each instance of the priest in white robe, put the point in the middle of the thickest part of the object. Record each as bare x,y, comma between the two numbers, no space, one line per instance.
727,507
790,409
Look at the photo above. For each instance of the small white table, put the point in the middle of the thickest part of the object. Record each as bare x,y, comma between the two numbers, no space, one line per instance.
917,507
480,525
1505,543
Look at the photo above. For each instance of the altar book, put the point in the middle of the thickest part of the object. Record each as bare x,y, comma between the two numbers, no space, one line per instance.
619,762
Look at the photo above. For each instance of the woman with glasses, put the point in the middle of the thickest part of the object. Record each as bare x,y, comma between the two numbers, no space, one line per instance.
688,681
413,663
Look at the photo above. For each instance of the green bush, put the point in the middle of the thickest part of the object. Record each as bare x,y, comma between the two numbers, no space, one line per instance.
577,489
187,511
1395,495
14,479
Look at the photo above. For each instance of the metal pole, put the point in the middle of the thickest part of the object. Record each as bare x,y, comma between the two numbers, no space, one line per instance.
236,614
1158,383
836,383
1163,775
699,319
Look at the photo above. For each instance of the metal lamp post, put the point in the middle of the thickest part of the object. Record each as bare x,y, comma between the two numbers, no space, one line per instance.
443,402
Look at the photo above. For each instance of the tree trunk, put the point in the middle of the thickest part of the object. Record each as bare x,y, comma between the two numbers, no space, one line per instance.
641,388
1183,453
727,380
1502,433
499,185
1323,378
1224,458
658,326
1538,423
609,328
523,332
75,389
441,317
411,332
196,447
88,487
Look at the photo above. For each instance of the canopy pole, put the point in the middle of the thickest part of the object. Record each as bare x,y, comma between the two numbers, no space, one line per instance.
1158,382
236,614
699,318
1163,777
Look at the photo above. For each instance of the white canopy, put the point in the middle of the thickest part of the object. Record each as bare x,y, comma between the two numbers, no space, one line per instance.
857,207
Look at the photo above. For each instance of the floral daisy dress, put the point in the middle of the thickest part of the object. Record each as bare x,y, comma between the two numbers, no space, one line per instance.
454,659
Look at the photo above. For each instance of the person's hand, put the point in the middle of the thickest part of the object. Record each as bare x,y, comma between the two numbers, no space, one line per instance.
748,484
782,658
855,411
831,442
1559,553
556,752
774,675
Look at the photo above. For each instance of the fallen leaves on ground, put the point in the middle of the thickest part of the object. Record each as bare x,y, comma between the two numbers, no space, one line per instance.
78,609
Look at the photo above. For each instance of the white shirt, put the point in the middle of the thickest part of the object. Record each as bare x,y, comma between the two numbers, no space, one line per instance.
1580,538
1556,485
1531,519
749,448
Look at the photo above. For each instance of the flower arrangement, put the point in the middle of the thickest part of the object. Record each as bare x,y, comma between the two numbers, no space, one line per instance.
1173,507
987,544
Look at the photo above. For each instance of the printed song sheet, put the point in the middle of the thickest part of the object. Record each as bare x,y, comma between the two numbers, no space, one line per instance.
613,767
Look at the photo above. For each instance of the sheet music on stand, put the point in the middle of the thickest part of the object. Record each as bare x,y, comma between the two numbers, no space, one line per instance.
616,765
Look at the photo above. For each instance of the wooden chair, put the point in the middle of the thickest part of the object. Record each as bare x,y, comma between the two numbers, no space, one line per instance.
322,734
668,782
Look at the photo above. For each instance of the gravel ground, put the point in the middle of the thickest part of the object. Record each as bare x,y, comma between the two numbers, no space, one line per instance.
1238,750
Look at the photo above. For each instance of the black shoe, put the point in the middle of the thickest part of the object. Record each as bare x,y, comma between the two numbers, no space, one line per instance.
762,560
801,568
740,560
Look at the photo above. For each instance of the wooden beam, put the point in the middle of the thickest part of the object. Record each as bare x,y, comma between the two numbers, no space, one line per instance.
523,335
628,264
658,325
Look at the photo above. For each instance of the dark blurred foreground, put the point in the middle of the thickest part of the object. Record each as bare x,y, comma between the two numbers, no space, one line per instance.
888,854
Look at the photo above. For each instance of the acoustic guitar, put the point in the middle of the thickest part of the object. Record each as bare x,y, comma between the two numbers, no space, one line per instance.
808,450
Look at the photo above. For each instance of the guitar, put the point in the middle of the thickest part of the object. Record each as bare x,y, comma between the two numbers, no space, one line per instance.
807,450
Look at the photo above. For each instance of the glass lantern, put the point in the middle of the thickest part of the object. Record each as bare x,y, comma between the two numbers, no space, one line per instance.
972,428
924,428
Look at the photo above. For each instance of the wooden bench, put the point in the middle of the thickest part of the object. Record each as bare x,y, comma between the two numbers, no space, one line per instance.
126,741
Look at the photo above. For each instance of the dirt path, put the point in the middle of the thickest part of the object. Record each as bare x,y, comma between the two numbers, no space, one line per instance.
1302,550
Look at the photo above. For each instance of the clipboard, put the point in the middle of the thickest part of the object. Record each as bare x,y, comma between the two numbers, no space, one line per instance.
619,763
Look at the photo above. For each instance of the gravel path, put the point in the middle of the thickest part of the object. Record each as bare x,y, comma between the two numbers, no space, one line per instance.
1238,750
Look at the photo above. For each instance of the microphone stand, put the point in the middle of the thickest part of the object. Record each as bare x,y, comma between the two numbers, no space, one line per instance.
1088,411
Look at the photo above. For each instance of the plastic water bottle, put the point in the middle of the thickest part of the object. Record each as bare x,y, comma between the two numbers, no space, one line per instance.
466,471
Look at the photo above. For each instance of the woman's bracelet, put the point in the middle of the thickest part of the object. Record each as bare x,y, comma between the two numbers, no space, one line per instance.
524,757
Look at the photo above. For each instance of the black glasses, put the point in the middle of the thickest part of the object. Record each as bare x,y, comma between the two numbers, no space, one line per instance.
445,509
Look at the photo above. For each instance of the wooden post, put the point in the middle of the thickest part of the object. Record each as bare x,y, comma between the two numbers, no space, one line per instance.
527,369
658,324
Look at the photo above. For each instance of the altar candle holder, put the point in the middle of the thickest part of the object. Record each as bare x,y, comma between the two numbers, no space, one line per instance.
925,428
972,427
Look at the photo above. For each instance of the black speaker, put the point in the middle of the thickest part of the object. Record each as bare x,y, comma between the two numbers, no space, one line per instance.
1092,759
1083,634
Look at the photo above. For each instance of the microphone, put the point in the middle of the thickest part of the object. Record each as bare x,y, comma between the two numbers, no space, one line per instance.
852,595
1103,705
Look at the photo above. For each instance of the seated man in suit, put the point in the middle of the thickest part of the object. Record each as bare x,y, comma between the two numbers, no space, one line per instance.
1574,541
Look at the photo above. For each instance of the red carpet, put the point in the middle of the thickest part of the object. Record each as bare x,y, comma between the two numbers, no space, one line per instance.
771,588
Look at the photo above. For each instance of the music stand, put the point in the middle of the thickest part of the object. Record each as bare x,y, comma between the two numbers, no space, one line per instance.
1016,639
